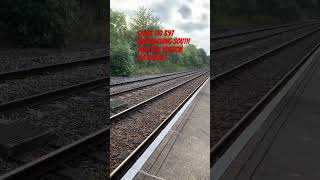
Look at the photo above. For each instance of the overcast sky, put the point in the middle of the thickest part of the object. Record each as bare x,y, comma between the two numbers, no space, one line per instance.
189,18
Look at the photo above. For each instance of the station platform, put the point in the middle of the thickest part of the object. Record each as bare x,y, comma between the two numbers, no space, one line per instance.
183,153
286,143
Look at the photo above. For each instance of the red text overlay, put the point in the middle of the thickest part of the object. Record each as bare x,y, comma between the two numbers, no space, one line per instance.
155,44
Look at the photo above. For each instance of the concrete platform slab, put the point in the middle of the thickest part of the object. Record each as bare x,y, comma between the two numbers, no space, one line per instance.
294,153
287,145
184,151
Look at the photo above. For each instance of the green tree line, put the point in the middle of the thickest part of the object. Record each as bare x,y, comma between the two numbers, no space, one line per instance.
123,50
51,23
237,13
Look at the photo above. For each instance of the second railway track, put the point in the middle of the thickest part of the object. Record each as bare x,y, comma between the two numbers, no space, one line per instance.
238,93
136,94
228,58
30,82
134,85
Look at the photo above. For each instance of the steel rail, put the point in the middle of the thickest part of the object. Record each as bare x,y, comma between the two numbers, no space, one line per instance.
255,30
129,161
45,68
151,84
217,49
145,79
54,94
50,161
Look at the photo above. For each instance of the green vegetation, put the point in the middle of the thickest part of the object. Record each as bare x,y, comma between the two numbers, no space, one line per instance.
41,23
120,52
228,13
52,23
123,47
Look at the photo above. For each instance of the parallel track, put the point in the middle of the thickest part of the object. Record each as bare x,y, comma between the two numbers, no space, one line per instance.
175,76
144,79
52,67
54,94
261,36
253,31
133,108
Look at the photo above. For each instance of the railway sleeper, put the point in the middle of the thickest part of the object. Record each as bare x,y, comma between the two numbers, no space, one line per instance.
20,136
117,105
72,173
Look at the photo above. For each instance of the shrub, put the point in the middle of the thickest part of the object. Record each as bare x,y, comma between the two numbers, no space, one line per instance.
38,22
121,60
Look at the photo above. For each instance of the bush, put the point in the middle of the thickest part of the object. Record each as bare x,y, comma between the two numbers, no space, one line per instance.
38,22
121,60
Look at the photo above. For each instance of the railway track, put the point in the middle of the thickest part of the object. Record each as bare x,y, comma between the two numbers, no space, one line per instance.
224,35
135,85
230,32
125,152
140,79
227,42
46,124
69,120
28,58
32,81
52,67
136,94
53,95
234,56
250,85
54,164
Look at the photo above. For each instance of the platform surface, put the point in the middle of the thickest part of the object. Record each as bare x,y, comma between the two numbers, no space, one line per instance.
184,152
290,148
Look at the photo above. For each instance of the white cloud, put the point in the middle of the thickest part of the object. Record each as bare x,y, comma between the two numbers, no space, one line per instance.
189,19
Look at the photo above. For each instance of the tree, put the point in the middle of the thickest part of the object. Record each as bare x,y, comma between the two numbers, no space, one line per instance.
38,23
143,19
203,55
120,52
124,48
192,57
118,27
